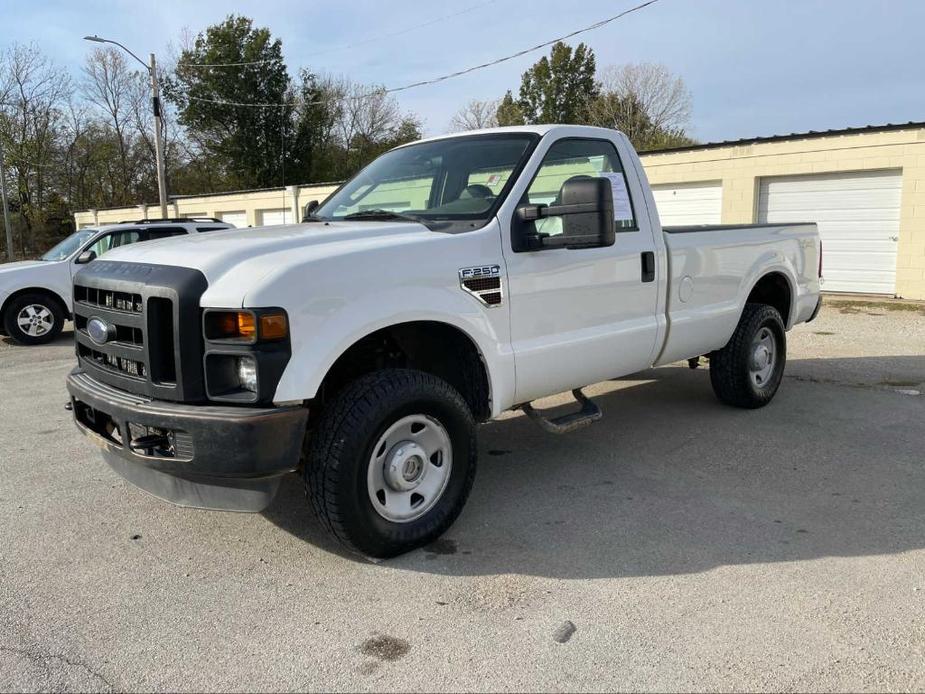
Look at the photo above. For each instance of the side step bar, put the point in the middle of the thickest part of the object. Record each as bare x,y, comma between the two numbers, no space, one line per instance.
587,415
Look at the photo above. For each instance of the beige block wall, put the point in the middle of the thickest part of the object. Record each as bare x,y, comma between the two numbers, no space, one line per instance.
253,203
741,169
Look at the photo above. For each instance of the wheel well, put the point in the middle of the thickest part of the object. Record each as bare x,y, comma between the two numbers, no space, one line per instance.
436,348
774,290
34,290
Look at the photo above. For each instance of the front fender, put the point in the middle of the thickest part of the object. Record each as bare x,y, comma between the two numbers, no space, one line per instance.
323,330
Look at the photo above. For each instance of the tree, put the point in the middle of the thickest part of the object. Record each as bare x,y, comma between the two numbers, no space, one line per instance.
343,125
248,141
120,96
509,112
646,102
556,89
31,118
476,115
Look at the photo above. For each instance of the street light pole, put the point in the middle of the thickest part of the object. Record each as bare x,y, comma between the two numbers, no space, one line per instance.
158,139
158,120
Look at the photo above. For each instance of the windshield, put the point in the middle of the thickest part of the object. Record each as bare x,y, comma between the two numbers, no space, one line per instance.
63,249
452,184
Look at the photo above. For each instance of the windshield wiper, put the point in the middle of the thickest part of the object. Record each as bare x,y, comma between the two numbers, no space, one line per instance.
384,215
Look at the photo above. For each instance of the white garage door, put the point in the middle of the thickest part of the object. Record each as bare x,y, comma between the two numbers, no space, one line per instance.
238,219
279,216
689,203
858,218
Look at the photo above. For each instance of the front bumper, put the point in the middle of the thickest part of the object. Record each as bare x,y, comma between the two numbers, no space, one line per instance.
225,458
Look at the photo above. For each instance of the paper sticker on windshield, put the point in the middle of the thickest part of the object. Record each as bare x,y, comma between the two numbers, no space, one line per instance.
622,208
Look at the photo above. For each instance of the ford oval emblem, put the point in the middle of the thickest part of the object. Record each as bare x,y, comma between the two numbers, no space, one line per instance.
100,331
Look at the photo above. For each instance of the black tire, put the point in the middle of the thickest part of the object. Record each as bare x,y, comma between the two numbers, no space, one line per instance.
20,303
340,448
730,367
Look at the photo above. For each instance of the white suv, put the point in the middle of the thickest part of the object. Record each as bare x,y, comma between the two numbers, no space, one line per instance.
35,295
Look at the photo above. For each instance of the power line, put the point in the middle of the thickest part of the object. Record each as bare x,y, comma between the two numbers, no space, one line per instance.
443,78
372,39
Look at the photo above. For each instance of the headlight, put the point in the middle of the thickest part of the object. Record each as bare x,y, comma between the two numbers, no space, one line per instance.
245,353
247,373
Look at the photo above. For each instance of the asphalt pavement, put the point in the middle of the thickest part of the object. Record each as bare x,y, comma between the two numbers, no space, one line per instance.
676,545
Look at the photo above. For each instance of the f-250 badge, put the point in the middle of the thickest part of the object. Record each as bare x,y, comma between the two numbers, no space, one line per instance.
479,271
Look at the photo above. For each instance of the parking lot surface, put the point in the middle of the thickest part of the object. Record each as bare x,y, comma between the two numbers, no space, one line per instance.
676,545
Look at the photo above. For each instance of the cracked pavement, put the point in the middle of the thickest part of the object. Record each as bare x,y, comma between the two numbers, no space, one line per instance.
676,545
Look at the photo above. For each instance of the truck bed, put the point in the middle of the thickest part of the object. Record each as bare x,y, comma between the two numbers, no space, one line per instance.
711,270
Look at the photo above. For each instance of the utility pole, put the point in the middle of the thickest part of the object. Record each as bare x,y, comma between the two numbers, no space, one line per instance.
158,139
6,208
158,120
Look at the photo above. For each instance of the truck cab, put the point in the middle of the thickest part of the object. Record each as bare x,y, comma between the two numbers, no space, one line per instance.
449,281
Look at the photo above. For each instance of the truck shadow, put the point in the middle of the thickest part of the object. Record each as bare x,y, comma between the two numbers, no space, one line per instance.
673,482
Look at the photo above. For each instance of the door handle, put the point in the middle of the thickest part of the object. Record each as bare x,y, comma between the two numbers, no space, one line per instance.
648,266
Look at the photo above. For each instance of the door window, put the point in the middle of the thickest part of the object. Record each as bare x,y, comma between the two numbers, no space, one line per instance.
114,240
575,158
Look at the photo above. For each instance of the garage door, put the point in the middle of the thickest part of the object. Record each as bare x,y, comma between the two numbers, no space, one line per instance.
858,218
237,219
279,216
689,203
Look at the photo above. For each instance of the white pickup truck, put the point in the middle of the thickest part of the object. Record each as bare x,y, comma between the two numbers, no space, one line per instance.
35,295
449,281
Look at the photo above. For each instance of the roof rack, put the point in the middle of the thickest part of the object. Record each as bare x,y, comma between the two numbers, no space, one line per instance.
173,220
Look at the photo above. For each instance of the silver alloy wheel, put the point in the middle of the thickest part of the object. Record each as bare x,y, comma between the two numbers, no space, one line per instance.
409,468
35,320
763,357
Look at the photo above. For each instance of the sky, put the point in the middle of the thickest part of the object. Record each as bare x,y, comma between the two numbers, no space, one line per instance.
754,67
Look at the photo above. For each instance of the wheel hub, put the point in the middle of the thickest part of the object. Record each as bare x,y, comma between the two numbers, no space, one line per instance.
404,467
409,468
35,320
762,359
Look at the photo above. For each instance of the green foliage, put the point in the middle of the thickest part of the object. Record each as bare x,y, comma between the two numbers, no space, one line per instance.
555,89
246,141
509,112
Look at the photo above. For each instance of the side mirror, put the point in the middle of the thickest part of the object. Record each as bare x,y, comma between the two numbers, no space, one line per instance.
86,257
310,207
586,209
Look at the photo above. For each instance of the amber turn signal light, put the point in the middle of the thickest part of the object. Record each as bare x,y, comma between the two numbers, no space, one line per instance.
245,326
273,326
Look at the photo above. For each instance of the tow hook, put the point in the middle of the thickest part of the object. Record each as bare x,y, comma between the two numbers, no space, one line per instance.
151,441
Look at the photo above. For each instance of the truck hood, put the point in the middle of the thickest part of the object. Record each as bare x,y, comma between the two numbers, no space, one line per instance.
236,261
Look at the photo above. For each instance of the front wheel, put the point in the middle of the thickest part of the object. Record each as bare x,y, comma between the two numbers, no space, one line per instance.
391,462
748,370
33,319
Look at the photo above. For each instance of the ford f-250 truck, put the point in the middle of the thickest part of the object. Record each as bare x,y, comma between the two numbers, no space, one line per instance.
451,280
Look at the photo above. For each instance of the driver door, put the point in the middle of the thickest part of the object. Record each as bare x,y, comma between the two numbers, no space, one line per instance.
581,315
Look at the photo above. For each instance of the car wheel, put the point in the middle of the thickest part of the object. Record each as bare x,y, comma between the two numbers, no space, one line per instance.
748,370
391,462
33,319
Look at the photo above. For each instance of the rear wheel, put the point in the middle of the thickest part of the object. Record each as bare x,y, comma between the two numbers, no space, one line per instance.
33,319
391,461
748,370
